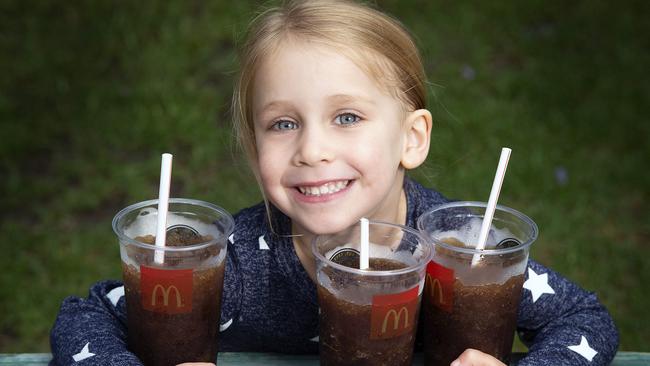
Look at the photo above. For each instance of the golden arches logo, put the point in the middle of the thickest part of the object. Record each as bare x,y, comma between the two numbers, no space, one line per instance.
394,314
165,295
396,318
166,291
434,284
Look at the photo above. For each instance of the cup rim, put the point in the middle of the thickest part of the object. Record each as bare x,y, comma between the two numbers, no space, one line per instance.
228,229
364,272
532,237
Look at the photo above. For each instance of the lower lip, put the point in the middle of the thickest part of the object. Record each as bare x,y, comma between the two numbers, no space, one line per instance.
322,198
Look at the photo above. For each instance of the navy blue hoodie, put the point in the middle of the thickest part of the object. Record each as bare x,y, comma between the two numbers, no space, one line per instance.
270,304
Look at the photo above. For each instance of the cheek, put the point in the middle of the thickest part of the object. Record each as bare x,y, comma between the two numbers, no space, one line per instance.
381,148
267,179
266,166
272,163
376,160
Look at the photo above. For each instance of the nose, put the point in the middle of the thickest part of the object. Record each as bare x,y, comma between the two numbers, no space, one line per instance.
313,147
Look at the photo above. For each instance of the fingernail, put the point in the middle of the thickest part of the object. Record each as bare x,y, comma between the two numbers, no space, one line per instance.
455,363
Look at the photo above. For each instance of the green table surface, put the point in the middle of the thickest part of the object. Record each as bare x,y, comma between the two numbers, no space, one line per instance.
259,359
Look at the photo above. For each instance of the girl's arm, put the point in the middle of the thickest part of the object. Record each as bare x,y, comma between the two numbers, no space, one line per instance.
561,323
92,331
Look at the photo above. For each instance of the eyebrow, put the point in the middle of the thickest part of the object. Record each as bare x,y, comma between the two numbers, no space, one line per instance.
346,98
333,99
276,104
271,107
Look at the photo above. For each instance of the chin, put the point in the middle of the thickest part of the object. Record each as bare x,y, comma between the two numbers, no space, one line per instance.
328,227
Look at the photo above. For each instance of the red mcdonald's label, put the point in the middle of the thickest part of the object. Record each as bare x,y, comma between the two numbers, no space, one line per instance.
167,291
439,286
394,314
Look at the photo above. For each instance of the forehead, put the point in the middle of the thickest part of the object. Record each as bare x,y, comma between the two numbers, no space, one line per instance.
308,70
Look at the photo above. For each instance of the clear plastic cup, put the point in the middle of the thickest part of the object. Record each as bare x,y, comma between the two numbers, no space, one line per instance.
173,307
369,317
473,306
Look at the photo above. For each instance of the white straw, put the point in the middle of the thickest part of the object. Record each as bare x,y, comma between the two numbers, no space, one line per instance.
364,260
163,202
492,202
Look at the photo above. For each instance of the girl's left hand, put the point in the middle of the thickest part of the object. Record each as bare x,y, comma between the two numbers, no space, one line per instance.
472,357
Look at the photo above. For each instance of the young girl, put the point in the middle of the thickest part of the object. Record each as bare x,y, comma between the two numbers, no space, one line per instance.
330,110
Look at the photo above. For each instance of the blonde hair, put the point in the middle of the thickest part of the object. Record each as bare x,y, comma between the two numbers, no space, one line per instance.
377,43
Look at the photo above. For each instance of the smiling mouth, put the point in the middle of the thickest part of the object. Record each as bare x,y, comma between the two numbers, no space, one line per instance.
327,188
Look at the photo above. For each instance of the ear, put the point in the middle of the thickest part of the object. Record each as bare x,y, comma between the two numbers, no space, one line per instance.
417,130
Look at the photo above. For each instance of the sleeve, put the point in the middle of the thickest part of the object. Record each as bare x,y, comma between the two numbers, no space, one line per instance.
561,323
92,331
232,288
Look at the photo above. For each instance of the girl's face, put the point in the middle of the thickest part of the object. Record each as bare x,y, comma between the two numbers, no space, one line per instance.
329,139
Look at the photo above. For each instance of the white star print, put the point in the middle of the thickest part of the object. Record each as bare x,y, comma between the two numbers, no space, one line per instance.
231,238
583,349
225,325
115,294
84,354
538,284
315,339
262,243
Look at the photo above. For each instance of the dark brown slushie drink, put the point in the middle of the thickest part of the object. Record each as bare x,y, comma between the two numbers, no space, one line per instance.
369,317
173,307
469,305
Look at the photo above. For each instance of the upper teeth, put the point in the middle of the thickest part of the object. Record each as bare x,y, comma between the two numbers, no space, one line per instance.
327,188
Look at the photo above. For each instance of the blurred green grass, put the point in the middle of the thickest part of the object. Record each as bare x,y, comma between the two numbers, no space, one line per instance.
92,92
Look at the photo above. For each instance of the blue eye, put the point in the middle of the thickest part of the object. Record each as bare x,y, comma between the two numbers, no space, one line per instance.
347,119
285,125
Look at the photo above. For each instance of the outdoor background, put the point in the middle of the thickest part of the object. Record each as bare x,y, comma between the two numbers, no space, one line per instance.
92,92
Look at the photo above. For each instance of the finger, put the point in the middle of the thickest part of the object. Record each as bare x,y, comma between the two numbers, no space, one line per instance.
472,357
